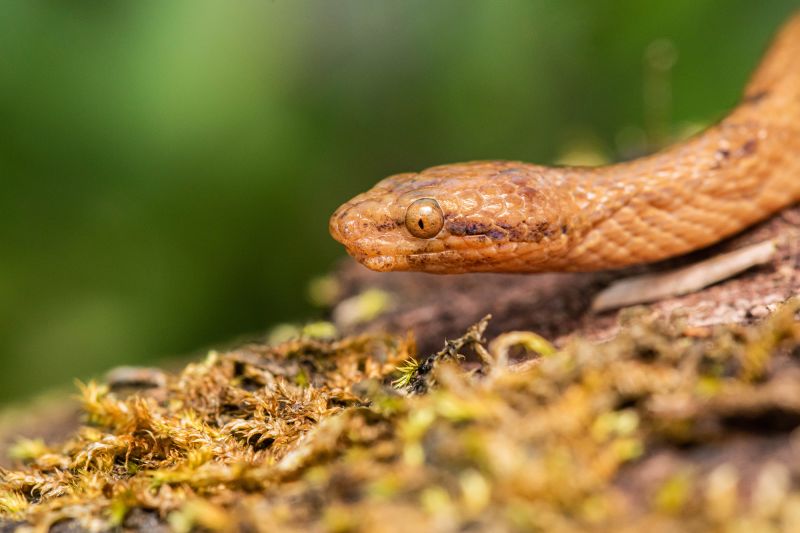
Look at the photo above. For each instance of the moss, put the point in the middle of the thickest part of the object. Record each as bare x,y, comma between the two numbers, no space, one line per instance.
310,433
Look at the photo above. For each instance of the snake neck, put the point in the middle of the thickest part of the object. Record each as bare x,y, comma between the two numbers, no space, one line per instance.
710,186
775,85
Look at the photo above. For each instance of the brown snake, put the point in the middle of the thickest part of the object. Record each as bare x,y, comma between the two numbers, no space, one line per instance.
503,216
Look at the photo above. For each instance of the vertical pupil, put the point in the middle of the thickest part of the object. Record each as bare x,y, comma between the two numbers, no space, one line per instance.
420,224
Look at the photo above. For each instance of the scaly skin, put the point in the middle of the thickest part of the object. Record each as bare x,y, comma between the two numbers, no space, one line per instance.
502,216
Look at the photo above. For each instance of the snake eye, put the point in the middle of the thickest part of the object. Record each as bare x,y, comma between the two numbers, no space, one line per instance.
424,218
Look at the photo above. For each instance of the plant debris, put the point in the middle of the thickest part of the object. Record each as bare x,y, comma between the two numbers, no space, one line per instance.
418,378
665,426
654,287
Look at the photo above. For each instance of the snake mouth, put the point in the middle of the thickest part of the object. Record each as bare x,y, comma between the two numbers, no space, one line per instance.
382,263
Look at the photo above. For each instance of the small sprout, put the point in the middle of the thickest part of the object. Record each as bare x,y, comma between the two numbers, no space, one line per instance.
435,500
282,333
419,420
198,457
476,491
27,450
708,386
301,379
324,290
501,346
339,519
199,514
211,358
411,431
385,488
627,449
362,308
407,371
12,503
615,424
674,493
117,511
320,330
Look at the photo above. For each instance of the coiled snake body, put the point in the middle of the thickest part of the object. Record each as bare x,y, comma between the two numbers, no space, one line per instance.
502,216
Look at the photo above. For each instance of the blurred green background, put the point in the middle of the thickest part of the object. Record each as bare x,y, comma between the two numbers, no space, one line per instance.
168,168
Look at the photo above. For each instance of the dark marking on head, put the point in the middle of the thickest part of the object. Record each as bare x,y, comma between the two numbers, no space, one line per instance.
388,225
422,182
511,171
564,229
457,227
539,231
476,228
530,194
518,234
748,148
504,231
515,233
755,97
496,234
720,157
461,228
522,178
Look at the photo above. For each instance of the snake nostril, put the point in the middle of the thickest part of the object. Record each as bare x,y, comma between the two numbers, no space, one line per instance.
337,225
348,228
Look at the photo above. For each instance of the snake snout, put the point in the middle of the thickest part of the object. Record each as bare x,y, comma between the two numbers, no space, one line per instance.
344,225
333,226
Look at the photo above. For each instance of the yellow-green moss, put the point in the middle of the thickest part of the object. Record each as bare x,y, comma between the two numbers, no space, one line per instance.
311,434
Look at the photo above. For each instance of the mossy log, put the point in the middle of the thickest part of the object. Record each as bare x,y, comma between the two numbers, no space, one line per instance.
677,416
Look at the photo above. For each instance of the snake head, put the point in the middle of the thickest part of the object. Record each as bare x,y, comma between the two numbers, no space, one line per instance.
470,217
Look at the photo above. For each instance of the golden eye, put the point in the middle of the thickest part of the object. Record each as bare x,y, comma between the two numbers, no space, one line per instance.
424,218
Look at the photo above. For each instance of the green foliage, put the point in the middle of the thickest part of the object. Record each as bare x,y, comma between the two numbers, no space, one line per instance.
168,168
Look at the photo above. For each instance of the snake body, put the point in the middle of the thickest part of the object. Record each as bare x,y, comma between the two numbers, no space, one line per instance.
506,216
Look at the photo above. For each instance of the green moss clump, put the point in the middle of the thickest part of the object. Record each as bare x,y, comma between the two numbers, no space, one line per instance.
310,434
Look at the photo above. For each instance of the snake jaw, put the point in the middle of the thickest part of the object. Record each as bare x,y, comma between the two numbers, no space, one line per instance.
381,263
